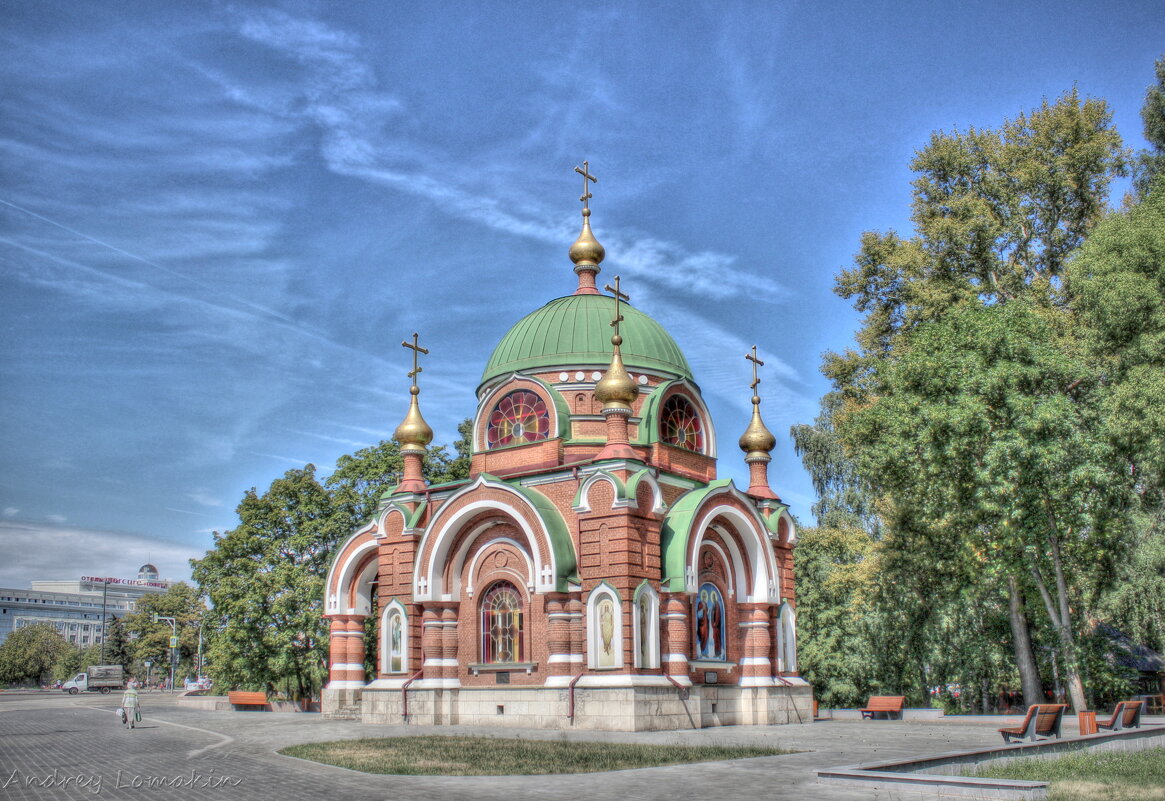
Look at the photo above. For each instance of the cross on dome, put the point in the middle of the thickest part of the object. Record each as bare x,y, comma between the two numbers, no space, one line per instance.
618,318
415,347
585,172
752,357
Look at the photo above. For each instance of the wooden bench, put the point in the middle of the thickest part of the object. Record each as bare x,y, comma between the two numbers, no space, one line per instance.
1127,715
1041,723
243,698
888,705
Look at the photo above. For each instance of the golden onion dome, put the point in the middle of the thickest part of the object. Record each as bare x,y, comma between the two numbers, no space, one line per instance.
616,389
413,433
757,441
586,252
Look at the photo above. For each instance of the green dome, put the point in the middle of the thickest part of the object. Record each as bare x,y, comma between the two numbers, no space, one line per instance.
576,331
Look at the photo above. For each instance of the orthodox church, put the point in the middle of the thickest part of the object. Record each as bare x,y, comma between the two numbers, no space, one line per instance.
592,572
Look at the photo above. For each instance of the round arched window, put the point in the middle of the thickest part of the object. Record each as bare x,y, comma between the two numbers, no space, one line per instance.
518,418
501,624
679,424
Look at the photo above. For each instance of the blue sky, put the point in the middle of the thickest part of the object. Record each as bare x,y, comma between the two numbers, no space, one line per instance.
219,220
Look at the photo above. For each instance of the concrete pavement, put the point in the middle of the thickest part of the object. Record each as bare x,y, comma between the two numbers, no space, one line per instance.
72,747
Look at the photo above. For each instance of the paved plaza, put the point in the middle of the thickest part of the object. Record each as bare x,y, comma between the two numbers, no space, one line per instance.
73,747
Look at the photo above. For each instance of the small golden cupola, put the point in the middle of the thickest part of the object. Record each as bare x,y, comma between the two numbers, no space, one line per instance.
413,434
586,252
757,441
616,391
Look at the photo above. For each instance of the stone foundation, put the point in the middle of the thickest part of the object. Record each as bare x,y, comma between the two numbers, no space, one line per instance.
597,708
341,704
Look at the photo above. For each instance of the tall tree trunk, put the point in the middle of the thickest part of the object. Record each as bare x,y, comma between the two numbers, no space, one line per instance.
1025,660
1062,623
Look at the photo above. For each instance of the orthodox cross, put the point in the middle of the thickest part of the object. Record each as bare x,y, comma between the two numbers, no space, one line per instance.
614,290
584,171
755,363
417,351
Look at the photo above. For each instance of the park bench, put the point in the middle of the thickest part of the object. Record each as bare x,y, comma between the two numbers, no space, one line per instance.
888,705
1041,722
1127,715
239,698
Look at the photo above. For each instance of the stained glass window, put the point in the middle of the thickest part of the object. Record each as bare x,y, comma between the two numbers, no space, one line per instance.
501,624
519,417
679,424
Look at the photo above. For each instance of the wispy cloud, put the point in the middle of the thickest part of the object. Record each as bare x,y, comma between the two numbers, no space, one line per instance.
80,552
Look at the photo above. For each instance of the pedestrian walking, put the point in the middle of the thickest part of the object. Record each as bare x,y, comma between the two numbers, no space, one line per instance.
131,705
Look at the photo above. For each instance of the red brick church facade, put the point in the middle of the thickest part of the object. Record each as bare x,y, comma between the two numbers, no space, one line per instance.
592,572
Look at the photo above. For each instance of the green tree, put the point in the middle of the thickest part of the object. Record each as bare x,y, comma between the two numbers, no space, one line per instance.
118,650
76,660
264,580
997,215
1117,283
1151,163
30,652
984,434
150,638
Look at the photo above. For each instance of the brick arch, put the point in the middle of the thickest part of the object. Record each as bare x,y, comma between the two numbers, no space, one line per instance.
347,571
541,526
475,555
754,560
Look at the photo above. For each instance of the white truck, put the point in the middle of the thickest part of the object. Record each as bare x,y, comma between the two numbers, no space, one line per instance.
99,678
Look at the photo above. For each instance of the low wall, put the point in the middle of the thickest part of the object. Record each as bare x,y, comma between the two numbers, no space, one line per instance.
917,713
651,708
940,773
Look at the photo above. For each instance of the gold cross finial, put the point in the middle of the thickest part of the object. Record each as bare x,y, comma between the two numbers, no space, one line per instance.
417,351
585,172
752,357
614,290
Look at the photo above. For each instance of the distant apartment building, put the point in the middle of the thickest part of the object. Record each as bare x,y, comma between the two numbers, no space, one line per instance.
75,607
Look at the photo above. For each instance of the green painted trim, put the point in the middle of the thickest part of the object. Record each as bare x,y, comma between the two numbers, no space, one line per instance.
774,520
648,433
677,531
566,564
634,481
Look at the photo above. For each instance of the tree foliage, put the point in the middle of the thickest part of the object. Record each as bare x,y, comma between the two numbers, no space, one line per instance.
265,577
964,433
1151,164
29,653
150,638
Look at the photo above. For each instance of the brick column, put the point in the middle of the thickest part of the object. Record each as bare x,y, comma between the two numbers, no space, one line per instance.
578,634
355,650
755,664
432,648
558,634
676,637
449,642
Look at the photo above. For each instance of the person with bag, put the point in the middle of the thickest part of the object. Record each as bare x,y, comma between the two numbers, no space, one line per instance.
130,711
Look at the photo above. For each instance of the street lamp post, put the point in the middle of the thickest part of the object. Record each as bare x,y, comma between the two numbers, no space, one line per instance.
173,644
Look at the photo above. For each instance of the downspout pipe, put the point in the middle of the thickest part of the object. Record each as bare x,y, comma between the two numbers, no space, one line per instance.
685,692
570,697
404,694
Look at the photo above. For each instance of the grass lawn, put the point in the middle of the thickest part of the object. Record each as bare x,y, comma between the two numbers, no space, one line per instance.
497,756
1093,776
